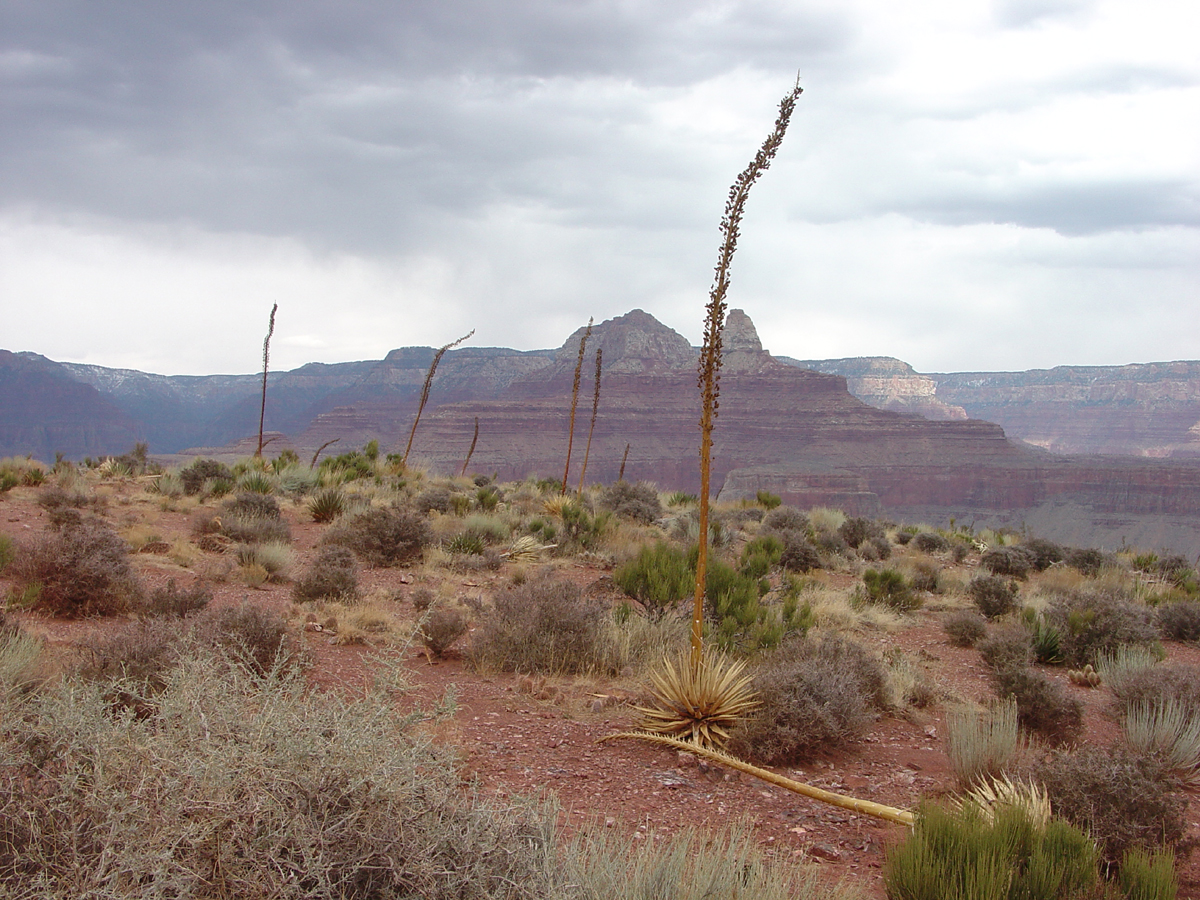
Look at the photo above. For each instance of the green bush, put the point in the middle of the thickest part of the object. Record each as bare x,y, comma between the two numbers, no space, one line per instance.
760,555
658,577
202,470
388,536
545,625
993,595
1119,797
83,570
1093,622
581,528
1004,853
815,694
857,530
889,588
767,500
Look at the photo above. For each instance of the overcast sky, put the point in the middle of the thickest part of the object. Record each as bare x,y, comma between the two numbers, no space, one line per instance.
965,185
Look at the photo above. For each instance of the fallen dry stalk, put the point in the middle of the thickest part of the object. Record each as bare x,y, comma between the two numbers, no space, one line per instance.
867,807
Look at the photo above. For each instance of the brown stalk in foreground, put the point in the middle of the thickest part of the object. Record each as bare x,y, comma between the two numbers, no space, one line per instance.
262,413
471,452
709,378
574,403
595,404
437,358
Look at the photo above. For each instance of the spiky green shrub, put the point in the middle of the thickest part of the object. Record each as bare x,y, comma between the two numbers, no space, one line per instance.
255,482
659,577
993,855
82,570
993,595
889,588
488,498
981,741
467,542
760,555
1094,621
545,625
1119,797
387,536
327,505
815,694
332,574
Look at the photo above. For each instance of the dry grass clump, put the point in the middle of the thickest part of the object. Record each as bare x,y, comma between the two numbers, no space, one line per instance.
1154,684
82,570
332,574
1169,730
274,558
815,694
250,787
545,625
1117,796
982,741
387,536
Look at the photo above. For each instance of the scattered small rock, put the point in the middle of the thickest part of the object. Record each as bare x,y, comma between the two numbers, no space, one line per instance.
825,852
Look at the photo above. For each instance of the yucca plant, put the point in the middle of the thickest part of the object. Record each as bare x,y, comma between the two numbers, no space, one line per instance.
699,703
327,505
989,794
437,358
574,403
255,482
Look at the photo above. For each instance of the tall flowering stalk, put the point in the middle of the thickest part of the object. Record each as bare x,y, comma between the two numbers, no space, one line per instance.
437,358
709,377
575,403
595,405
262,412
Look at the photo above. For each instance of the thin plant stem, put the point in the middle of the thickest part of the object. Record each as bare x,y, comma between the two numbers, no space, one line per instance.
471,452
595,405
437,358
624,457
313,464
709,377
574,403
262,413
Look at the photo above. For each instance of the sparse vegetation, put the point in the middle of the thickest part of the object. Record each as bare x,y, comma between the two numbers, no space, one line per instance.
389,536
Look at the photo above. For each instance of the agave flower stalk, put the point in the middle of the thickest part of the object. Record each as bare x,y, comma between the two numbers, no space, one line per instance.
709,377
591,430
437,358
471,451
262,413
624,458
574,403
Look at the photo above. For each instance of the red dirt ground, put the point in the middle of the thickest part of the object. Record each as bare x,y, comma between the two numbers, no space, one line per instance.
517,736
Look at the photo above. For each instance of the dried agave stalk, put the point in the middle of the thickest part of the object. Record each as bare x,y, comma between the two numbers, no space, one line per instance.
437,358
709,377
471,452
262,413
575,402
591,430
624,457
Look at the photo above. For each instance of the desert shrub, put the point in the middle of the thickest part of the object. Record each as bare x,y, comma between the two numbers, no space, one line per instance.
1086,561
1001,853
889,588
1092,622
930,542
469,542
83,570
681,498
275,559
435,499
797,555
857,530
904,537
658,578
638,502
767,500
1011,561
1042,704
491,529
815,694
741,622
876,549
488,498
54,497
544,625
142,653
256,638
442,627
760,555
1175,568
255,481
249,518
251,505
830,543
1148,875
1117,796
981,742
965,627
388,536
1007,646
1179,621
785,518
1042,554
327,504
1154,684
993,595
303,796
333,573
960,549
1169,730
581,528
8,550
926,576
200,471
171,601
